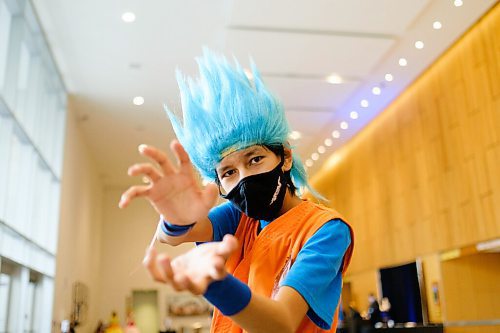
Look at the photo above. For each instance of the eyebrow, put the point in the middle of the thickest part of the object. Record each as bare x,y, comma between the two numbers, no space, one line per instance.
245,155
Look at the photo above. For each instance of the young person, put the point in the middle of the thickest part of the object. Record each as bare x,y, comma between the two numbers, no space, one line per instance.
267,259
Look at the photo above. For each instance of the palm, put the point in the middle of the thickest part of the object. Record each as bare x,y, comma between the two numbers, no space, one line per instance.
179,199
173,191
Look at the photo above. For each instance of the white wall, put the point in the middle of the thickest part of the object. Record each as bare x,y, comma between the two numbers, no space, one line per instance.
79,243
126,234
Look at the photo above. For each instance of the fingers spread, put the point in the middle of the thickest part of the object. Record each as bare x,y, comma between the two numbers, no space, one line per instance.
151,265
145,169
159,157
131,193
185,165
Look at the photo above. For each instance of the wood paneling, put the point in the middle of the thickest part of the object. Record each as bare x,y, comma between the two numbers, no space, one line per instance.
424,176
470,287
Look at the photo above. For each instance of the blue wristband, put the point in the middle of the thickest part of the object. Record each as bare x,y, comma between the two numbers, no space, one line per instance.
229,295
175,230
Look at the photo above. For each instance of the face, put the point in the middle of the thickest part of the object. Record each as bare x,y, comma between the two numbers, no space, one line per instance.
247,162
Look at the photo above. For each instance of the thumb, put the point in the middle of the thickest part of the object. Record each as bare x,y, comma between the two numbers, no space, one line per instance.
228,245
210,194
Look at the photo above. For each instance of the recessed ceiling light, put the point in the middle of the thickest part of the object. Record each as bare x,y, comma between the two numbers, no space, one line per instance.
328,142
403,62
344,125
128,17
437,25
315,156
458,3
295,135
388,77
419,44
354,115
376,91
321,149
309,163
336,134
334,79
364,103
138,100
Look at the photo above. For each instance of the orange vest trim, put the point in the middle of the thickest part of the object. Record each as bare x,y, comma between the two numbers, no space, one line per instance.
262,260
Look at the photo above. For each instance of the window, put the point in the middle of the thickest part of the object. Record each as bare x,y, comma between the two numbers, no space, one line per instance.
32,120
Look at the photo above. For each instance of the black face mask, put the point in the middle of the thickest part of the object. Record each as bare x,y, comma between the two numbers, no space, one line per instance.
260,196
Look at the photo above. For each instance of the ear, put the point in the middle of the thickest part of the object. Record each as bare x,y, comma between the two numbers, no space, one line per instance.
287,164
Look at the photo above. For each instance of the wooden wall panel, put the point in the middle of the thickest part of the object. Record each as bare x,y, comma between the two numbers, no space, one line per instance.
424,176
471,289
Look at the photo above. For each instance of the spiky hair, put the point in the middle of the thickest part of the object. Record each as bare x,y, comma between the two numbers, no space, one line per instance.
225,111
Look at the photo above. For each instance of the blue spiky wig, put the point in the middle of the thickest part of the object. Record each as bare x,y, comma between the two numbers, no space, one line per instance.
225,111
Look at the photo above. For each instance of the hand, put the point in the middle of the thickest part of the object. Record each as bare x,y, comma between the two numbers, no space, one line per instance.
172,191
193,270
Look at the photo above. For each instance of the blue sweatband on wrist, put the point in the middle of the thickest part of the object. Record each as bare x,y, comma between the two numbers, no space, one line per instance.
175,230
229,295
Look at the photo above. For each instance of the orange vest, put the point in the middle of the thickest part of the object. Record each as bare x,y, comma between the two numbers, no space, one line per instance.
262,260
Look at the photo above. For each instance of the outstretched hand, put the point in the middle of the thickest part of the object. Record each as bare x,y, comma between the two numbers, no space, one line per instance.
173,190
194,270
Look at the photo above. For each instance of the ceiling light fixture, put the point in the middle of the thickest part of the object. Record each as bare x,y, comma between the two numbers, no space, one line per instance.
328,142
458,3
389,77
354,115
437,25
403,62
321,149
315,156
138,100
376,91
336,134
128,17
295,135
309,163
364,103
334,79
344,125
419,44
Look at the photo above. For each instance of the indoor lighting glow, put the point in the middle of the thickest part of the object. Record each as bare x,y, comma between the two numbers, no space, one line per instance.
309,163
336,134
344,125
458,3
321,149
138,100
128,17
328,142
354,115
376,91
437,25
315,156
334,79
403,62
388,77
295,135
419,44
364,103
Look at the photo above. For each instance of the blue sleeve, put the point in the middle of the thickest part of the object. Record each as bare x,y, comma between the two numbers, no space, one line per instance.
225,219
317,275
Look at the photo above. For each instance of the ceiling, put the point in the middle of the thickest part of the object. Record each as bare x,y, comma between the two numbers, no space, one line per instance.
106,62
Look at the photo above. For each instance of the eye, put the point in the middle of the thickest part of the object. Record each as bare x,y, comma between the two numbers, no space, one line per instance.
256,159
228,173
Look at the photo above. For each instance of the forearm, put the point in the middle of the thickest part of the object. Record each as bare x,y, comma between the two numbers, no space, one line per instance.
200,232
256,313
264,315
